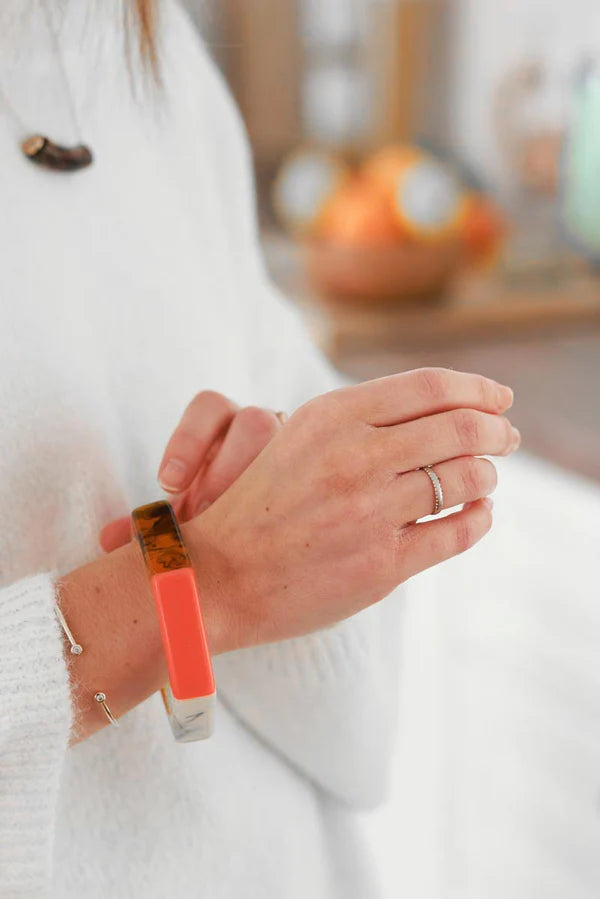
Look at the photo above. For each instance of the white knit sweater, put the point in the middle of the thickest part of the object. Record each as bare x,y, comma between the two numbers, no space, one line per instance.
125,289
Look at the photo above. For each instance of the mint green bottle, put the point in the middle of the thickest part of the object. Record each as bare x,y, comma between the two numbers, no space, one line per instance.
581,168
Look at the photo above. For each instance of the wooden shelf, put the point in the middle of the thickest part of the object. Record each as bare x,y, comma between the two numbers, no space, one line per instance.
477,309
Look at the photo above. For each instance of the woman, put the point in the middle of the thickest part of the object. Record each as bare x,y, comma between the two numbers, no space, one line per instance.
127,289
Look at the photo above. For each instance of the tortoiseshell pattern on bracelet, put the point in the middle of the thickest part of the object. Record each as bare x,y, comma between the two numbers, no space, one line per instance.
189,697
160,538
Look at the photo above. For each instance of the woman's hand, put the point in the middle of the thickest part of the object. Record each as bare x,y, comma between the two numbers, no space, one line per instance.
213,444
323,522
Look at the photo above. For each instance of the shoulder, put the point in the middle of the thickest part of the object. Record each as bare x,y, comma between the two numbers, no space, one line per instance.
194,78
205,111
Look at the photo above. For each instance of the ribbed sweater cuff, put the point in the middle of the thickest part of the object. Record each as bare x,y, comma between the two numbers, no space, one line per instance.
316,660
35,718
326,701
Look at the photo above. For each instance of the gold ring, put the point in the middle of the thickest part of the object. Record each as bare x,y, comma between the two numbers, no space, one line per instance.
437,489
282,417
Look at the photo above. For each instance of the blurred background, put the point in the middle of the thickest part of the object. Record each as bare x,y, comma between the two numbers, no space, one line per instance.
429,187
408,157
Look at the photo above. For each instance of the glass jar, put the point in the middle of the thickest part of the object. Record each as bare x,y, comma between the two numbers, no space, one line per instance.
580,195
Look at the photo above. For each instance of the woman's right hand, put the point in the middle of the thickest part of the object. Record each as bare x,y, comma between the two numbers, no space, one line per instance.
324,522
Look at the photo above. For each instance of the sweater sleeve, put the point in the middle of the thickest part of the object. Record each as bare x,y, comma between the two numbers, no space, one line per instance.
327,701
35,718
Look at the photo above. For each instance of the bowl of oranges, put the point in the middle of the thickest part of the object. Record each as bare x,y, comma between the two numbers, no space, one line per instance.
395,228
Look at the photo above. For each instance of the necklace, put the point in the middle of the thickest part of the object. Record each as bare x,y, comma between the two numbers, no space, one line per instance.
38,148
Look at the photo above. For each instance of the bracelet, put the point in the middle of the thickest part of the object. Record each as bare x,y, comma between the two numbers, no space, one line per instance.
76,650
190,695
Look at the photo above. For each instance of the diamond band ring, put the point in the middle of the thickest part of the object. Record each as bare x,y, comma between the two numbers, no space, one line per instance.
437,489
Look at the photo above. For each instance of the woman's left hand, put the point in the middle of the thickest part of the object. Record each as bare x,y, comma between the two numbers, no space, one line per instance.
213,444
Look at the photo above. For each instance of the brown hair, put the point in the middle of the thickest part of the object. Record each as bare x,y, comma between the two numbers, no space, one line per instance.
146,16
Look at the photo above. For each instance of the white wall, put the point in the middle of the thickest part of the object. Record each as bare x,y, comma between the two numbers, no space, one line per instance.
490,36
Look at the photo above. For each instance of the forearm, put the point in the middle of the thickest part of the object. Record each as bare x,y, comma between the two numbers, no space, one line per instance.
109,607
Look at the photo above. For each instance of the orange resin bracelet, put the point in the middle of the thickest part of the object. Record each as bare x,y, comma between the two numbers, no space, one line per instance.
190,695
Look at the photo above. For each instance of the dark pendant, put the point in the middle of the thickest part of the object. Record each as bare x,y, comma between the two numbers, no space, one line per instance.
52,156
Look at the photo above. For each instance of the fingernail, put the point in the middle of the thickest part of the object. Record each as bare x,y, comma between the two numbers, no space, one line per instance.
172,475
489,502
517,438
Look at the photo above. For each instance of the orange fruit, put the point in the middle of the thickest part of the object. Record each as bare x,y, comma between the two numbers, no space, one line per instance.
385,166
484,230
425,194
357,215
306,181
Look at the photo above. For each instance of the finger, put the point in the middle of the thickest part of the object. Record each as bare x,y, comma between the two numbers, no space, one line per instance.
427,391
206,417
437,438
421,546
250,431
463,480
115,534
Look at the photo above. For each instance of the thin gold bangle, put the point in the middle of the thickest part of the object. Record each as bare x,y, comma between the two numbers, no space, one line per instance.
76,650
100,698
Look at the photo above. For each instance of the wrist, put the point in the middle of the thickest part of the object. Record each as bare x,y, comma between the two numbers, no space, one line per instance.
212,580
108,606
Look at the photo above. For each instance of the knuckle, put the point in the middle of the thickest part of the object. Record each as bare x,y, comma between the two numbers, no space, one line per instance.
322,417
404,539
465,535
467,425
488,393
336,405
341,396
470,478
433,383
307,414
478,476
440,548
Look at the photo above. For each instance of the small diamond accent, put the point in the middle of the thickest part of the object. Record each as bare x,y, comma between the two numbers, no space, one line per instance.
100,697
76,649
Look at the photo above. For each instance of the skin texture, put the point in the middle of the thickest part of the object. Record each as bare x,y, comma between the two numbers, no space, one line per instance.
293,527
